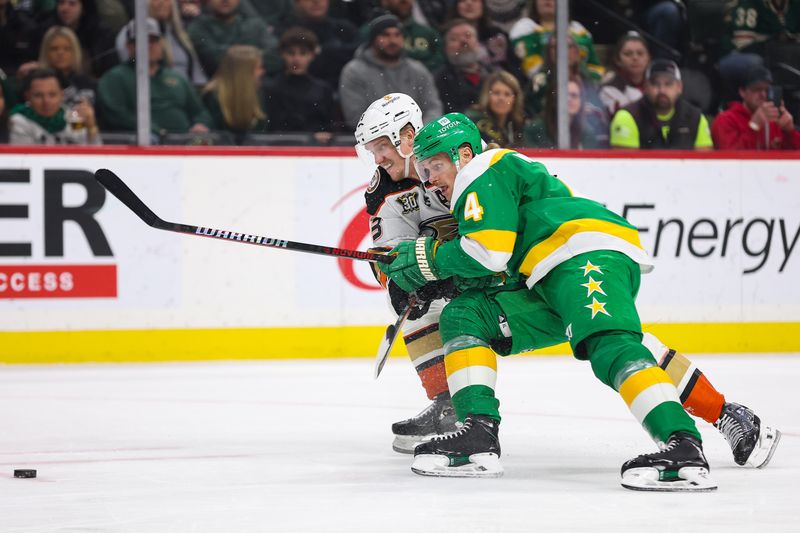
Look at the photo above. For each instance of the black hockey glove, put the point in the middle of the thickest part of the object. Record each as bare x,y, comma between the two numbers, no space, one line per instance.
400,298
435,290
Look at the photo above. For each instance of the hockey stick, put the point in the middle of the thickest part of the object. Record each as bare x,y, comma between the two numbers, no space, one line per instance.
117,187
391,335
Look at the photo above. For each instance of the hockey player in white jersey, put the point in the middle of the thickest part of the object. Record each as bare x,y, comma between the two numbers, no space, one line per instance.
402,208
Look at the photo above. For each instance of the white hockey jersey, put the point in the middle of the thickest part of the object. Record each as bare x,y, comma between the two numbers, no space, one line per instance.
406,209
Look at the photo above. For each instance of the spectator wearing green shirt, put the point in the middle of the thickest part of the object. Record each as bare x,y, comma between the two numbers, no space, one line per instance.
233,96
757,30
338,37
530,37
223,26
422,43
175,107
662,119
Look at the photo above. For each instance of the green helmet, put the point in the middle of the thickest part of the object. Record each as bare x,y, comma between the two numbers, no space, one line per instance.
447,134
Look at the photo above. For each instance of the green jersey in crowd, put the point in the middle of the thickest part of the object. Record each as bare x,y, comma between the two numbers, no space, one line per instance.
529,41
753,22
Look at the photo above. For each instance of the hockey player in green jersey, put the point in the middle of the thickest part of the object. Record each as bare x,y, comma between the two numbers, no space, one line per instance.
582,266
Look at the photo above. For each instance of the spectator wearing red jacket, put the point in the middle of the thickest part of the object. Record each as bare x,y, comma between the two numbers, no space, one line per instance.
746,125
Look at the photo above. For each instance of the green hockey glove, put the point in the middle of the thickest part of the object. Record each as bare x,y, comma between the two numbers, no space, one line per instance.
414,266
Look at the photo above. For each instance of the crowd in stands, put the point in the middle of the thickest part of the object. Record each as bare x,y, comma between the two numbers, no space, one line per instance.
643,74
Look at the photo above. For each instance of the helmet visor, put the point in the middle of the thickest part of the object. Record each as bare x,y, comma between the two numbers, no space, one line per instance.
433,166
373,152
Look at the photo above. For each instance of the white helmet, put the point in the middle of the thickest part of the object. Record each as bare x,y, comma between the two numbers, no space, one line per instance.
386,117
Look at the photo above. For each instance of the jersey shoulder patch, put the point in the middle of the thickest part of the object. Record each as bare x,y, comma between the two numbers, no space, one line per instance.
375,181
381,186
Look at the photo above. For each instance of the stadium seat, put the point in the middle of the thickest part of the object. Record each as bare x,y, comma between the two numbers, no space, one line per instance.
118,137
278,139
211,138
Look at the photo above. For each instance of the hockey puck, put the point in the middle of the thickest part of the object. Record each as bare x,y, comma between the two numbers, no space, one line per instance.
24,473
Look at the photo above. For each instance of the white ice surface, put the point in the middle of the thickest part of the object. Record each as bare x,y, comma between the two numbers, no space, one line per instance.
284,446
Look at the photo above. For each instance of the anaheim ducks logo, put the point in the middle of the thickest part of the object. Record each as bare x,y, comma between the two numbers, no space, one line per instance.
442,228
374,182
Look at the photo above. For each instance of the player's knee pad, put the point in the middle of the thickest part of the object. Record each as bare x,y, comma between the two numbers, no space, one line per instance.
464,342
616,355
469,315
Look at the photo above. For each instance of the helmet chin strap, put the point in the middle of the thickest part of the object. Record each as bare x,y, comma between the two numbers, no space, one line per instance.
407,161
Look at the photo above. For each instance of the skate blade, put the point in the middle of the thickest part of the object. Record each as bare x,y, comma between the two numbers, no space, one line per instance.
481,465
692,479
768,440
407,443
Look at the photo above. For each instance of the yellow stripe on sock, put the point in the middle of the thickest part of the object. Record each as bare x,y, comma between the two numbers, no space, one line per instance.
478,356
640,381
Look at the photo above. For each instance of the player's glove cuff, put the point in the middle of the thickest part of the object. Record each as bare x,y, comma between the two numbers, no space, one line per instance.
413,265
424,248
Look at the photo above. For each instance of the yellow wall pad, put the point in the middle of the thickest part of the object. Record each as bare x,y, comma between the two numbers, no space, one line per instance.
353,341
191,344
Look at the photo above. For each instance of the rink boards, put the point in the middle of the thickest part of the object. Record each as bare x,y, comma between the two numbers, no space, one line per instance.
81,278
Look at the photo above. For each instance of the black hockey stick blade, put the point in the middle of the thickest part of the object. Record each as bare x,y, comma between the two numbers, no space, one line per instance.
390,336
124,194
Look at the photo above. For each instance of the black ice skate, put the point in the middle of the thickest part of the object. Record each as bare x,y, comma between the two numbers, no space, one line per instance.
680,466
472,451
438,418
751,442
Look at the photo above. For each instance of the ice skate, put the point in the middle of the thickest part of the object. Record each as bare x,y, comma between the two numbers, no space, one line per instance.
680,466
438,418
752,443
472,451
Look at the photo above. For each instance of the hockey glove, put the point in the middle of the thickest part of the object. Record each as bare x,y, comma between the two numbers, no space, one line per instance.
436,290
413,267
399,299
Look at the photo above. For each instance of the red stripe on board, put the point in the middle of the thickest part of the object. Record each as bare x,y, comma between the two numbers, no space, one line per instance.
304,151
58,281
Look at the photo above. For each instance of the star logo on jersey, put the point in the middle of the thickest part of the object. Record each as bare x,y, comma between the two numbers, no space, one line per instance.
593,286
597,307
590,268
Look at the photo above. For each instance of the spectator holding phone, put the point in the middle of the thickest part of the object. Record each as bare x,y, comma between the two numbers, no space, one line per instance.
759,122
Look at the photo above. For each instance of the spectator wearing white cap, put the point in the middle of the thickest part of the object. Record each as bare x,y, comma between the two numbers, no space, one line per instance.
175,107
662,119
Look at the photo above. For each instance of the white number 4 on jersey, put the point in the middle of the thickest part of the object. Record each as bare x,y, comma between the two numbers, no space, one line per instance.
472,208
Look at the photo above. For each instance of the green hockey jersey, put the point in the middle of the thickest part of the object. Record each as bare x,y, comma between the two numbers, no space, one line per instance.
529,41
753,22
515,217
